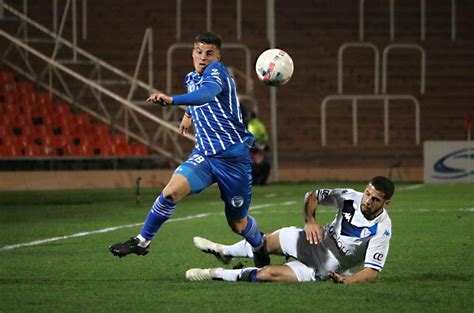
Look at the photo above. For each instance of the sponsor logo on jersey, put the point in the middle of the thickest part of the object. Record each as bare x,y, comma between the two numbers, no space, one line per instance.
337,240
386,233
378,256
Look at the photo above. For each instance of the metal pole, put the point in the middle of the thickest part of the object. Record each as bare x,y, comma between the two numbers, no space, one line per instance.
150,56
392,20
178,20
74,30
361,20
386,121
209,15
239,19
2,13
422,20
84,19
25,24
273,91
453,20
55,16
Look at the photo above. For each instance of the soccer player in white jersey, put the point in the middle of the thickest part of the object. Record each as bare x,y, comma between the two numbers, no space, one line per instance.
221,154
352,248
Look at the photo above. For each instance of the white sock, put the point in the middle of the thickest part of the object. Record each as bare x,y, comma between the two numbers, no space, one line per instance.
240,249
143,242
227,275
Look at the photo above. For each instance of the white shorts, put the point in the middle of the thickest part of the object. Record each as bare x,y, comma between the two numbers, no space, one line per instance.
288,237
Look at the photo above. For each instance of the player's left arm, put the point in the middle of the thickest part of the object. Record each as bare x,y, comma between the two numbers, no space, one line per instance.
365,275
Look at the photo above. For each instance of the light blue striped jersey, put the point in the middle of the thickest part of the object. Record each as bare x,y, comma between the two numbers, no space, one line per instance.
218,124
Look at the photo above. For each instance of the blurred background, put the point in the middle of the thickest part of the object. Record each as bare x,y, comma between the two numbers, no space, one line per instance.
376,83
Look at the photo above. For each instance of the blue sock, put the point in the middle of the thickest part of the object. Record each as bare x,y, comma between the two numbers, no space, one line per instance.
159,213
252,234
248,274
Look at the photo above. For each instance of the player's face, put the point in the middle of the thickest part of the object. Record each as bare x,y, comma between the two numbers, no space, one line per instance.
203,55
373,202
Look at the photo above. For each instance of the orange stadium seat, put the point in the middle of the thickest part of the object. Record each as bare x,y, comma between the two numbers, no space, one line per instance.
6,77
138,149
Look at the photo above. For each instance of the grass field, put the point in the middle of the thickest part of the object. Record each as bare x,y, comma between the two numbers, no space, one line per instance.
54,254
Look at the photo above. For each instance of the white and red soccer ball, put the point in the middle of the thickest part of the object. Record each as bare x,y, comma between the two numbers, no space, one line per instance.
274,67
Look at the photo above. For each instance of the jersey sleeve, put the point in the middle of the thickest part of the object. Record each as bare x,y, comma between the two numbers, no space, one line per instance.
204,94
214,74
377,249
333,198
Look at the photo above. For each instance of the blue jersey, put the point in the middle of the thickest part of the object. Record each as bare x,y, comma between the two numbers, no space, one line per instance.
218,123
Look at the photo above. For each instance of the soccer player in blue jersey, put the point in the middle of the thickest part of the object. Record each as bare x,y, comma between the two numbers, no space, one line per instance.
221,153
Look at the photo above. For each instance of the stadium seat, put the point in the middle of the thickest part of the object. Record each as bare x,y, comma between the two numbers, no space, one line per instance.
12,150
10,108
81,119
34,151
120,149
5,121
43,99
3,130
119,139
62,108
138,149
6,77
49,144
24,87
21,120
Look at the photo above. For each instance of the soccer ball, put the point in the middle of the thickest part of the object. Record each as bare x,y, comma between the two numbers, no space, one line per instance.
274,67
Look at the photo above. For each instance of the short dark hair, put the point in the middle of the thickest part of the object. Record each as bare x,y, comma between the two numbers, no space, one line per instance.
383,184
209,38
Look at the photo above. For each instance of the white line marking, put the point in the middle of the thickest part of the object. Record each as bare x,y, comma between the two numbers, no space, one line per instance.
411,187
190,217
110,229
103,230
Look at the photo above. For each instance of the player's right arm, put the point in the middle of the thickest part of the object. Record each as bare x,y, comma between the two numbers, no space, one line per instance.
313,230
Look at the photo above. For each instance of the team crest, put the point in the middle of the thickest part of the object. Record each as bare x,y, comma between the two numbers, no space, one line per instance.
365,233
237,201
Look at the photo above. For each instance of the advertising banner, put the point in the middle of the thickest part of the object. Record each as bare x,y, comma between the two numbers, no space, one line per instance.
448,161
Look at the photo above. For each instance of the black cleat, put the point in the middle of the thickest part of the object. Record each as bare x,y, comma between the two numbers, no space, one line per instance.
130,246
261,257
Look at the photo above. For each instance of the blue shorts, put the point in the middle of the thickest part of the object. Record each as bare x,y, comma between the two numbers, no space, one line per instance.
231,170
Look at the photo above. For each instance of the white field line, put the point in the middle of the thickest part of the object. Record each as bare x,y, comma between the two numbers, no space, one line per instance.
190,217
110,229
412,187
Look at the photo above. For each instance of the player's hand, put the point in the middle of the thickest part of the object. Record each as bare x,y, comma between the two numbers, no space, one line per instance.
185,125
314,232
160,98
337,278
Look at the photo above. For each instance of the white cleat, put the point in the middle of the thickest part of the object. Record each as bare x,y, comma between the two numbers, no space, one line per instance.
216,249
201,274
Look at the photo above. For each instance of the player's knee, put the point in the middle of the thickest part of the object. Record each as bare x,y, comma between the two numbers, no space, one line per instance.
172,194
237,226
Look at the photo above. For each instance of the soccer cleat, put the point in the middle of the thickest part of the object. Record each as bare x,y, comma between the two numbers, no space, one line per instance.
216,249
261,257
201,274
130,246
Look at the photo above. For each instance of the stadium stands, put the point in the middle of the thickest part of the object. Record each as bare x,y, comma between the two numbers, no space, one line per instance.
32,126
312,32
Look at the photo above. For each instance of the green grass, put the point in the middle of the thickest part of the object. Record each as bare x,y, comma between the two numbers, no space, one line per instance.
429,268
